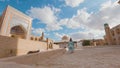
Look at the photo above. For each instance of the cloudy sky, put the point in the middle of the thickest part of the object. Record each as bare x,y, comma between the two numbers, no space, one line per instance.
79,19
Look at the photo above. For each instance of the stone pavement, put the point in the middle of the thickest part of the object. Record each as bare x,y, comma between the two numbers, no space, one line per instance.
86,57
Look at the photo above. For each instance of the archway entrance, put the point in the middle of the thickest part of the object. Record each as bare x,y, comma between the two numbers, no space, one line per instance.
18,32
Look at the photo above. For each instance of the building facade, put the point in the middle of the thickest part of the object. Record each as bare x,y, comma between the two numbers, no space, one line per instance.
93,42
112,36
14,23
97,42
15,35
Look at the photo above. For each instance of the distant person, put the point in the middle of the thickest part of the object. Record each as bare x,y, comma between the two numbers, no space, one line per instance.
71,46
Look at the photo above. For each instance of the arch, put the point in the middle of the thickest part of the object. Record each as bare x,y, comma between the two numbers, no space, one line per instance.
50,45
39,39
31,38
18,31
36,39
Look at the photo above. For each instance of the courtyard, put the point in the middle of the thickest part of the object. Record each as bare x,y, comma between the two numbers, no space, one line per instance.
83,57
86,57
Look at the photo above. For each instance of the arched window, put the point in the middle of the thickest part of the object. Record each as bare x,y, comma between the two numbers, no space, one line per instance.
113,34
118,31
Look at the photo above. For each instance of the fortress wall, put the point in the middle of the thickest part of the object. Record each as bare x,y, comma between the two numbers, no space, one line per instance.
56,46
24,46
8,46
13,46
34,59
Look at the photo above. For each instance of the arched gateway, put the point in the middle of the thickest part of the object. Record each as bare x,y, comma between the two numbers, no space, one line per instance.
18,31
14,23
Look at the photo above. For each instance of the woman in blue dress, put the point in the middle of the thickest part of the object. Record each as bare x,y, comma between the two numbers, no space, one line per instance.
71,46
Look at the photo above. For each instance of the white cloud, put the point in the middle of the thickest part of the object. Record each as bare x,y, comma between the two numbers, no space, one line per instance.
52,27
83,15
60,35
47,15
87,34
37,31
44,14
94,23
110,15
73,3
106,5
77,20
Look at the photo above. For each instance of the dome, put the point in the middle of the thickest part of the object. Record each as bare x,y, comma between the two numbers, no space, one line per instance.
65,38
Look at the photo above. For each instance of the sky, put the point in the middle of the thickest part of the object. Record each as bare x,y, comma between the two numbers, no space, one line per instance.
78,19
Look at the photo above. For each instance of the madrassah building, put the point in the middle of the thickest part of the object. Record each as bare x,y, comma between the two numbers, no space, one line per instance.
112,35
15,35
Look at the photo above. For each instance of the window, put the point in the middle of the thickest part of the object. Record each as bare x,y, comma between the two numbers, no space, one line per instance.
114,39
118,31
113,34
119,38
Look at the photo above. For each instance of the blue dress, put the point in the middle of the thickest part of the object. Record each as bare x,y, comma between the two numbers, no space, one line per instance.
71,46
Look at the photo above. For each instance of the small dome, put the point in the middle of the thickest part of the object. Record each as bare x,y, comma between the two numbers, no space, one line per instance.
65,38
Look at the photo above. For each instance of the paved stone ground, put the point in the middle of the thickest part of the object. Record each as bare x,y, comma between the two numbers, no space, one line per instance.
86,57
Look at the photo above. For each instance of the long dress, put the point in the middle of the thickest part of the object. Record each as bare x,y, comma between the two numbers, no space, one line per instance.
70,46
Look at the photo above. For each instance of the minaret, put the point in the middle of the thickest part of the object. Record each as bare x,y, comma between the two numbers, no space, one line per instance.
42,35
108,34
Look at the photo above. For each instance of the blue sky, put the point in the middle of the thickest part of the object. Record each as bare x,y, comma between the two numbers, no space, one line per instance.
79,19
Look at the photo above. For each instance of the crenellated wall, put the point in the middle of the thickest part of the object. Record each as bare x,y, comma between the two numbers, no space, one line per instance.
13,46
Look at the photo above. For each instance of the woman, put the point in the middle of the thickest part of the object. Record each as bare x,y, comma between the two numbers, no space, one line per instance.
71,46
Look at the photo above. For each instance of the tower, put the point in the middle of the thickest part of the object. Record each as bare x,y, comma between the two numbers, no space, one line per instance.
42,37
108,34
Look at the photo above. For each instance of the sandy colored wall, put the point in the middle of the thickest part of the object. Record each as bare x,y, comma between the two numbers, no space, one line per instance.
51,45
8,46
13,46
24,46
56,46
35,58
